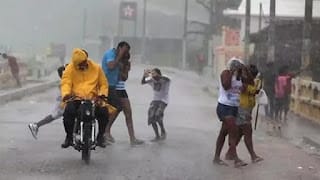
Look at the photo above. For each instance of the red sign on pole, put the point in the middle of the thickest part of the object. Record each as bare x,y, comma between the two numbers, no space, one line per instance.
128,11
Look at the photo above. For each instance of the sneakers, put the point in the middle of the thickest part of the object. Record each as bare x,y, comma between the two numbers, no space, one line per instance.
136,142
67,142
34,129
109,139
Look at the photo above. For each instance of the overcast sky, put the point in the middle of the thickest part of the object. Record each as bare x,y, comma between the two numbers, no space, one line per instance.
37,22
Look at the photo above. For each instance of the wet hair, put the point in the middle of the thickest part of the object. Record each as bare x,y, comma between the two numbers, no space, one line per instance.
122,44
235,64
253,70
283,69
157,70
61,69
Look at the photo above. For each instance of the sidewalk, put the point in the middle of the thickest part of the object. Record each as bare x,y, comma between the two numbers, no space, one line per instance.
28,88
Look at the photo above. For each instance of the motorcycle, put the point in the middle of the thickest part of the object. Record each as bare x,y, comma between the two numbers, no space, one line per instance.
84,131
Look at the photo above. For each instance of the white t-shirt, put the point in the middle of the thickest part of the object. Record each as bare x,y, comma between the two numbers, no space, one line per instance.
160,88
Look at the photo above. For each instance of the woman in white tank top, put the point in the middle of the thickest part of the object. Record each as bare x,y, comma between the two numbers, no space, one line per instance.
227,110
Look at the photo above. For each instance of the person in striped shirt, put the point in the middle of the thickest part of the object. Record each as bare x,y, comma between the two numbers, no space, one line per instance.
116,66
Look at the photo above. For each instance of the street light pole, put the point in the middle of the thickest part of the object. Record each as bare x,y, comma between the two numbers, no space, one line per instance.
144,24
272,32
247,31
185,28
307,28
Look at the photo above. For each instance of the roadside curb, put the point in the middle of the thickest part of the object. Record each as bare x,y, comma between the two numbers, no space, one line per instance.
311,142
28,91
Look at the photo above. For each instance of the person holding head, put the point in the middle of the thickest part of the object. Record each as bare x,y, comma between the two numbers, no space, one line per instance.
116,66
160,85
230,89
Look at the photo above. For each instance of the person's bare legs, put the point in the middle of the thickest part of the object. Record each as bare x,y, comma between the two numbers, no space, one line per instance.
247,131
128,116
112,119
228,155
163,131
17,78
233,139
219,144
156,131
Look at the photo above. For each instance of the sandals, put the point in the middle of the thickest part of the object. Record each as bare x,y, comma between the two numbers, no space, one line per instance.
136,142
220,162
239,163
257,159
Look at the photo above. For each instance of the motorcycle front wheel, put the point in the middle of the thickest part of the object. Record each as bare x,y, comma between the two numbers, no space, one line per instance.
86,148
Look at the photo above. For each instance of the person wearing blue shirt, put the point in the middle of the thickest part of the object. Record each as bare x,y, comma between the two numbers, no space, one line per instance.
116,66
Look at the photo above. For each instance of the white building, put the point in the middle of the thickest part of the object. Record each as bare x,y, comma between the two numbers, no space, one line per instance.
285,9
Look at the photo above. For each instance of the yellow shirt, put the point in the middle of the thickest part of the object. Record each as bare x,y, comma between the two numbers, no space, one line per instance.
248,96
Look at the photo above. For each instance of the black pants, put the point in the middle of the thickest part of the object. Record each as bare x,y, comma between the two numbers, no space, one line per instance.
70,113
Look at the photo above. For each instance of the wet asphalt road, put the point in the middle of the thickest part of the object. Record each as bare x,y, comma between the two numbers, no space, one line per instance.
186,155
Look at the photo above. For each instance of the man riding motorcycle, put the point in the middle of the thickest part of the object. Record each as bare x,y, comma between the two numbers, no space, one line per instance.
83,79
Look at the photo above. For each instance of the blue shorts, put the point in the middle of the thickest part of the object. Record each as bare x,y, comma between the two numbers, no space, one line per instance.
224,111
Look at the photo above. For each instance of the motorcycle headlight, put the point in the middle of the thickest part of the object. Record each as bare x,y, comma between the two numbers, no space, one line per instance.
88,113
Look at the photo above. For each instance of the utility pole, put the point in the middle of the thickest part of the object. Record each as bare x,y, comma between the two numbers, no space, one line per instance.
119,21
144,19
307,28
272,32
184,41
247,31
213,26
260,16
260,27
144,27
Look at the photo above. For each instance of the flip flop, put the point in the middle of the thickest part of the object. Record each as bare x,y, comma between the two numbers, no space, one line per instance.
220,162
239,164
257,159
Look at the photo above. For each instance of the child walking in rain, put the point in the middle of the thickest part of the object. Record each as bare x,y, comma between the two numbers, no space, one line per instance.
161,86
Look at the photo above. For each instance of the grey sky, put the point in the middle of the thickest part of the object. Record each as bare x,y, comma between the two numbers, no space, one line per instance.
35,23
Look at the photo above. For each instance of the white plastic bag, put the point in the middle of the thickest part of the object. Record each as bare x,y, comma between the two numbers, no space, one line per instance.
262,98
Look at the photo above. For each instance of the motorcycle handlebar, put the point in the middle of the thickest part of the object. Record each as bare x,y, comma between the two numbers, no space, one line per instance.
97,98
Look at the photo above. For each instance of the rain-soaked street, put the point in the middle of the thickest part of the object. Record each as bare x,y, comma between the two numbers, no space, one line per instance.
186,154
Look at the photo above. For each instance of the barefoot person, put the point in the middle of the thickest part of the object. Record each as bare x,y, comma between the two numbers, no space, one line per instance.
227,110
160,85
116,66
247,103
